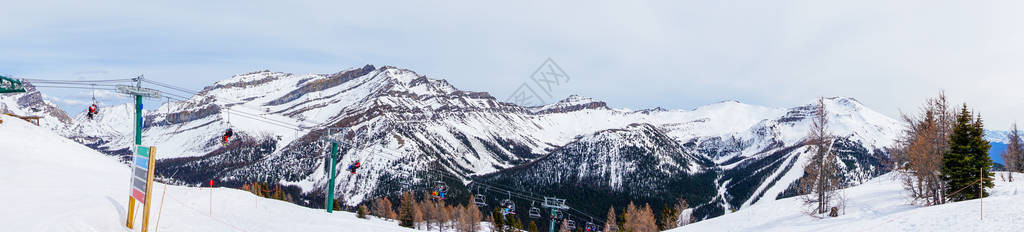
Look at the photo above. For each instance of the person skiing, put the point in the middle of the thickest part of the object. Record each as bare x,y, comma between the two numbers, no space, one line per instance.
352,167
227,135
92,111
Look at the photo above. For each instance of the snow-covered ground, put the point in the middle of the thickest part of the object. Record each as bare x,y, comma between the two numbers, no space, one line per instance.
51,183
881,204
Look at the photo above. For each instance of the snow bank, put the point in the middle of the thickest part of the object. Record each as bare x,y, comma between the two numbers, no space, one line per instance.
55,184
881,204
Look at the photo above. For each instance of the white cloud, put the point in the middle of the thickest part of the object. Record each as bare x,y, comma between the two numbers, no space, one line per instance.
889,54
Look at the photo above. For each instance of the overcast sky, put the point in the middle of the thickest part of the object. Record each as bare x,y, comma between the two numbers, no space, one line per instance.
890,55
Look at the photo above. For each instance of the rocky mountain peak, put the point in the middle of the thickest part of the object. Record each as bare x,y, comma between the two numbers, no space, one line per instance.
569,104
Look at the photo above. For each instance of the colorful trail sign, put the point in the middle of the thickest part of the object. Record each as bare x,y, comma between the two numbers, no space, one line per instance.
143,166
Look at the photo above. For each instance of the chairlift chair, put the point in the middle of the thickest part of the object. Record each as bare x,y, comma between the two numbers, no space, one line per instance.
571,224
478,199
534,211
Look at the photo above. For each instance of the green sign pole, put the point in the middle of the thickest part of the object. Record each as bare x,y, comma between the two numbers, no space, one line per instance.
552,226
138,119
330,187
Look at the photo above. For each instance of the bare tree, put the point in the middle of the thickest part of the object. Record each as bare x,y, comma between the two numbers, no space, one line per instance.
821,175
609,222
919,152
382,209
647,222
1014,153
469,217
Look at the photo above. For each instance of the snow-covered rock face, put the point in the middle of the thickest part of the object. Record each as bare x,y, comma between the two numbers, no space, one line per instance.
32,103
572,103
407,126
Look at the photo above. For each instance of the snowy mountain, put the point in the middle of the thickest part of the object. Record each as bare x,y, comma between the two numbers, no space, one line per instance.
412,131
615,166
32,103
40,167
756,158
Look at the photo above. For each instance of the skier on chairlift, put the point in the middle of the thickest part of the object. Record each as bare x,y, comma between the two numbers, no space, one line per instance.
440,191
508,207
353,166
92,111
227,135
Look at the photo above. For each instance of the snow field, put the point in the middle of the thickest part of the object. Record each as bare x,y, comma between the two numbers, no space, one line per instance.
881,204
55,184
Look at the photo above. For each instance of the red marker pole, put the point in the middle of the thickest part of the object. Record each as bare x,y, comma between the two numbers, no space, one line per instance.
211,197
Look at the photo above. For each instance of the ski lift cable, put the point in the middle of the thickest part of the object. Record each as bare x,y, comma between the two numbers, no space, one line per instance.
492,188
272,122
517,194
193,92
68,87
71,84
252,116
75,81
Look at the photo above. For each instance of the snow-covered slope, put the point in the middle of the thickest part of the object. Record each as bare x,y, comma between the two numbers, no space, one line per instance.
55,184
881,204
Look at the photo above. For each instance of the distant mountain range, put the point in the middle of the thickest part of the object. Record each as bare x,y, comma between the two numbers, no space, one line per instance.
411,132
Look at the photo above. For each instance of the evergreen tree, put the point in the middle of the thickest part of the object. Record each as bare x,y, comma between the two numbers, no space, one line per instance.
497,221
668,218
517,223
361,212
967,159
532,227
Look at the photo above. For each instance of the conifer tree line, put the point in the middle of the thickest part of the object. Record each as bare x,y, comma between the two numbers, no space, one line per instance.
267,191
642,219
943,154
424,213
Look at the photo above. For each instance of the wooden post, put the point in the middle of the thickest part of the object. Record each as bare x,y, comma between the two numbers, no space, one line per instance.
981,192
149,189
160,211
131,213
